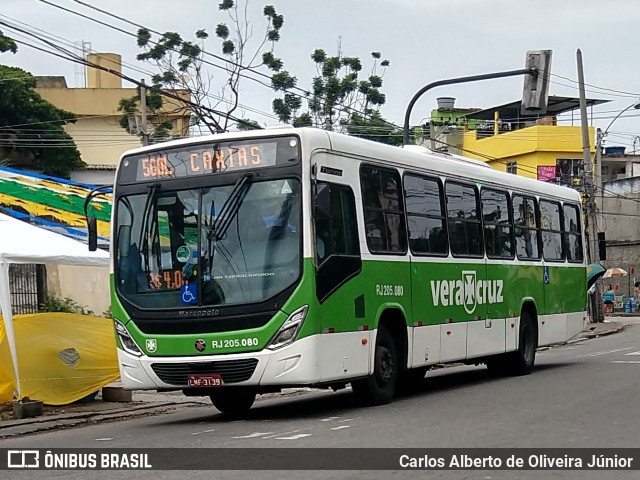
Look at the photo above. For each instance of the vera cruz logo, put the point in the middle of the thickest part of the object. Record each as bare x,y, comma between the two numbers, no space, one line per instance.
468,292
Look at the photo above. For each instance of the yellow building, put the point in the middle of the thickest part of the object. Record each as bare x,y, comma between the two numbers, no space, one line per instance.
97,133
535,147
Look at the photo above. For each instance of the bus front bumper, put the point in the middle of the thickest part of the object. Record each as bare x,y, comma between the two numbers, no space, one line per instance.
291,365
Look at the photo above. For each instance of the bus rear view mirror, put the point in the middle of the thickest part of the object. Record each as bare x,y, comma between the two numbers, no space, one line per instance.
124,240
323,202
92,233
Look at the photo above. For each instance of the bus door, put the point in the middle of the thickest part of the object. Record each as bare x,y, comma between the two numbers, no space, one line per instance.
338,271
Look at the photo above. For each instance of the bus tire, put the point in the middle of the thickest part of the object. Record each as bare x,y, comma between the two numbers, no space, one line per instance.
233,402
380,387
522,360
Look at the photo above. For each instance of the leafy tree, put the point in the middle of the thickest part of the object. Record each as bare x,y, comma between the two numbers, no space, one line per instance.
183,64
31,129
338,93
375,128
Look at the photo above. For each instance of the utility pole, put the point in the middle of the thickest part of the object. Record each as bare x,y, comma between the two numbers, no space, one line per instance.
597,166
143,112
591,216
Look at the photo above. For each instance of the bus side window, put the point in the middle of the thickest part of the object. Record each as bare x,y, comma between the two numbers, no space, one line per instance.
572,236
498,224
527,231
551,223
426,218
465,226
383,210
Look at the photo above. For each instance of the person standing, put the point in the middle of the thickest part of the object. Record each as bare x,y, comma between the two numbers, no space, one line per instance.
608,299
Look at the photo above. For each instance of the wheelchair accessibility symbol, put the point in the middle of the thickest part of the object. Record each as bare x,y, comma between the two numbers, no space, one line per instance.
189,293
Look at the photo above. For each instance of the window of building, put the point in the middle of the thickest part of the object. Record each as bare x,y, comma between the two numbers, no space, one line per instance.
498,227
512,167
383,210
526,228
570,171
551,225
572,233
465,227
426,219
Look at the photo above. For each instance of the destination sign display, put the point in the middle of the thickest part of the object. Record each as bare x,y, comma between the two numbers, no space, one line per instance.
208,159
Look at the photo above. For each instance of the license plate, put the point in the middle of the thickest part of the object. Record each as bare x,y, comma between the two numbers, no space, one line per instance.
205,381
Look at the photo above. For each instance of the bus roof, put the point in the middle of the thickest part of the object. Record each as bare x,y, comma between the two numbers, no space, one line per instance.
412,156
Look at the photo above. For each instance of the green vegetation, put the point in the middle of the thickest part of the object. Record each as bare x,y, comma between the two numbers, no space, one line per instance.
32,128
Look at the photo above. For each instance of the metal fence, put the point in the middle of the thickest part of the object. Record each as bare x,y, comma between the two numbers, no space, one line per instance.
27,284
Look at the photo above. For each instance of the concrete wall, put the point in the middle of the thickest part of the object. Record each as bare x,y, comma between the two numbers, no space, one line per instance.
102,140
621,224
94,177
88,286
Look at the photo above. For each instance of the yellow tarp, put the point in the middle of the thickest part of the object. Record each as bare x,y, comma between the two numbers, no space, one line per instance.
63,357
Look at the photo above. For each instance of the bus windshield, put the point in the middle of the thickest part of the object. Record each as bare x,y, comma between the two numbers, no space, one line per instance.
214,246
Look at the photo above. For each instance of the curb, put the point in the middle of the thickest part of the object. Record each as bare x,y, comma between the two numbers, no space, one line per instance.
15,428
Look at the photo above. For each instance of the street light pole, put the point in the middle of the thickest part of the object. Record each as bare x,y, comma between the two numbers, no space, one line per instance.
452,81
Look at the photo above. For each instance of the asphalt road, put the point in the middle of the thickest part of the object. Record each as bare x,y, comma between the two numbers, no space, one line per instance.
580,395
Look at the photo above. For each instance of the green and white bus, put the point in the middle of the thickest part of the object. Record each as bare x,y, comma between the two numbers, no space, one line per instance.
248,262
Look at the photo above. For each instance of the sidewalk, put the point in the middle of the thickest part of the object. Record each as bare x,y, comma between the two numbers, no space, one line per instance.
76,414
151,403
144,403
611,325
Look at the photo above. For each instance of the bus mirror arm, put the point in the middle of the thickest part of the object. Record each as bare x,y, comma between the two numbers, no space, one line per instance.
92,233
92,222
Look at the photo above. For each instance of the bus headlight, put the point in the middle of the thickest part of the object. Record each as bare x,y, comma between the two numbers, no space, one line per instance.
127,342
289,329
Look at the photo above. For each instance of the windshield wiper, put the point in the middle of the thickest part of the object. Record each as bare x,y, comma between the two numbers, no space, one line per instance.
143,241
230,208
225,216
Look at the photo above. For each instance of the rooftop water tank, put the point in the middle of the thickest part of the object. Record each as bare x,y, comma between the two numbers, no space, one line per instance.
445,103
614,150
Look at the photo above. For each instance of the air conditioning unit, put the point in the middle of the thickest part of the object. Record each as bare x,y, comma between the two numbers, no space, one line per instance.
134,125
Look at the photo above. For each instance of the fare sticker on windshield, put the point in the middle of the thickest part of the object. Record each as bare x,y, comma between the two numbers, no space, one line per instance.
183,253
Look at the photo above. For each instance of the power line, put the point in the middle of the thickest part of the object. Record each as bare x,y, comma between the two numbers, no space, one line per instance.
634,94
48,41
305,94
74,58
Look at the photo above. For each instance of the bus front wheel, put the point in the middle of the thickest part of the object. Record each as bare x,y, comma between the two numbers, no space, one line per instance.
380,387
233,402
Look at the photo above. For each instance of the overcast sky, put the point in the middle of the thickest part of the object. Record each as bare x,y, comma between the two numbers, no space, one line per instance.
424,40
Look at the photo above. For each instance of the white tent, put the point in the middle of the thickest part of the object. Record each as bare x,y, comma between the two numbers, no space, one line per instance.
24,243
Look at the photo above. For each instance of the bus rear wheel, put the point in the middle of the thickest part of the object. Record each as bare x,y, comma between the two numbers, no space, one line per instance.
234,402
522,360
380,387
519,362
